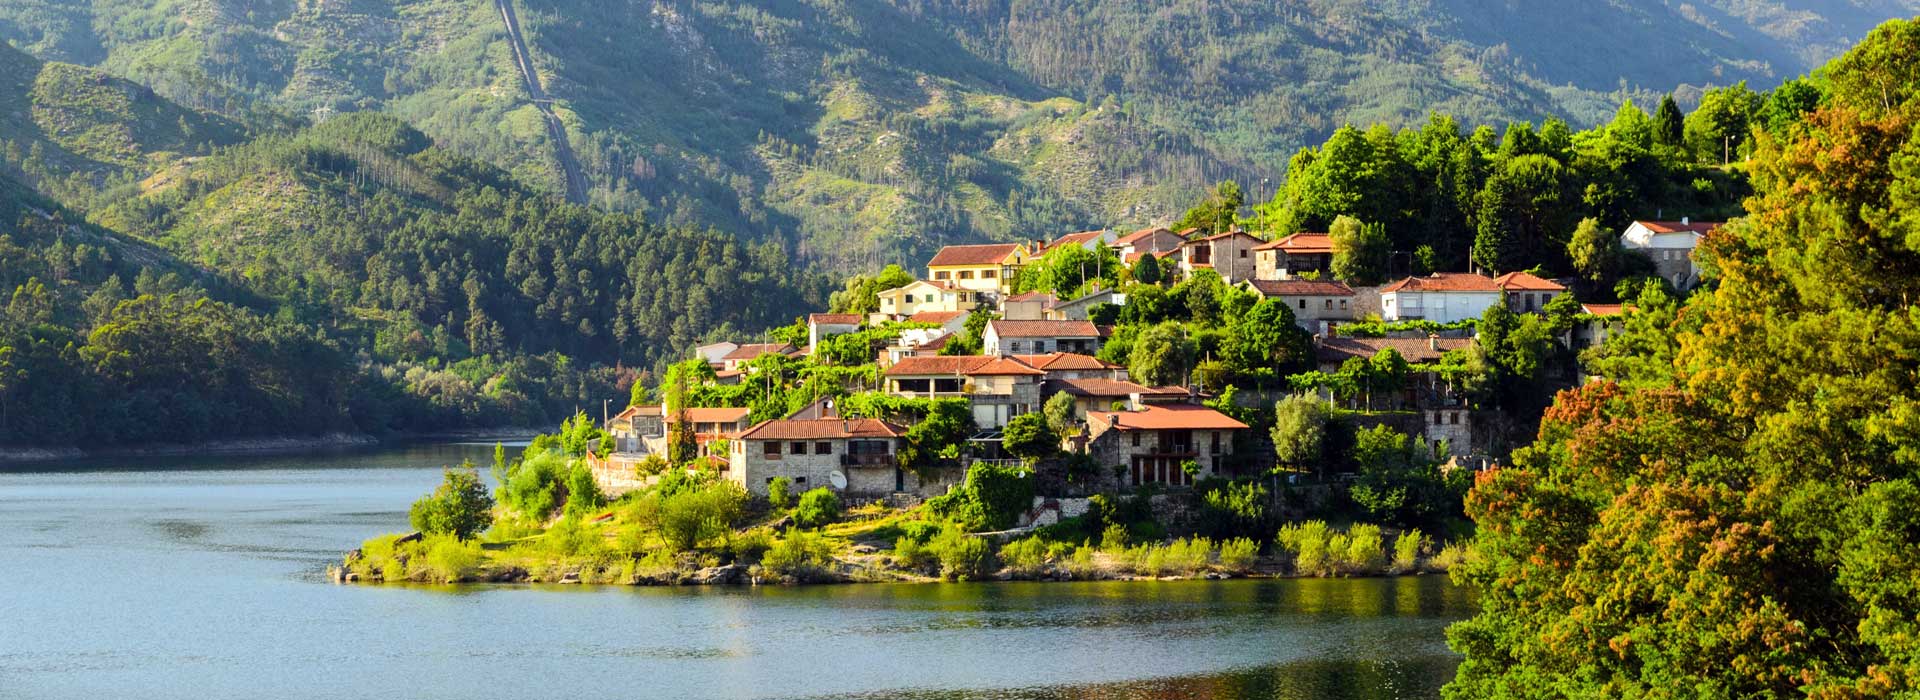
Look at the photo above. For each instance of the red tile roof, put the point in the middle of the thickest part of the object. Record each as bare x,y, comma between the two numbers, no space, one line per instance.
1131,238
1099,387
1678,227
1527,283
1004,367
1042,297
1337,350
1301,243
632,411
1074,239
1604,309
968,365
1444,282
1133,257
940,317
984,254
1169,417
1062,361
834,319
822,429
1043,329
753,350
714,415
1229,234
1300,288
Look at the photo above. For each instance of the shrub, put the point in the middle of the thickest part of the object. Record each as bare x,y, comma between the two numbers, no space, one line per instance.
570,537
1189,556
691,516
752,544
1234,509
962,557
799,555
1308,542
780,492
583,493
1081,564
1448,557
1025,557
1365,551
817,508
911,554
533,485
1114,538
450,558
1406,550
1236,555
1029,437
459,506
991,498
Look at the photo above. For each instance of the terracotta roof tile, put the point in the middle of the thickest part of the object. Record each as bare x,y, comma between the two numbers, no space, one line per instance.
835,319
1004,367
1042,297
1337,350
1131,238
822,429
984,254
1444,282
753,350
714,415
1099,387
1074,239
1604,309
1064,361
1678,227
1300,288
1170,417
935,364
1043,329
940,317
1528,283
1302,243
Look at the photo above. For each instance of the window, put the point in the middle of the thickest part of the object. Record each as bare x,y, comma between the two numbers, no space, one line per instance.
1013,348
988,274
1135,437
909,298
1243,253
966,274
1303,305
772,449
1329,304
1343,304
941,275
823,448
798,448
1216,442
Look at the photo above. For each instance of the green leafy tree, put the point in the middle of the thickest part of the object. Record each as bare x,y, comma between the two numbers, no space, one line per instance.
1359,251
1669,125
1520,209
1595,251
1720,127
1162,355
818,508
1147,270
459,506
1059,413
779,492
1268,339
1029,437
1218,212
1300,430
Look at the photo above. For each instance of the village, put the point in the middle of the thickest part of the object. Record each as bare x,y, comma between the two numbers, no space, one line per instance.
1394,354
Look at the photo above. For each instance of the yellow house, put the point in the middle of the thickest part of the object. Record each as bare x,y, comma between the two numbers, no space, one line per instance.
982,268
922,295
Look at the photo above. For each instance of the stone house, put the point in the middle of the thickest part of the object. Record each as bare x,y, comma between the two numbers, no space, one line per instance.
1288,257
633,426
1039,337
1066,365
1076,309
998,388
1442,297
1527,293
1103,394
1670,244
736,360
988,268
1598,322
852,456
640,431
1314,302
1229,254
1088,240
923,296
1152,444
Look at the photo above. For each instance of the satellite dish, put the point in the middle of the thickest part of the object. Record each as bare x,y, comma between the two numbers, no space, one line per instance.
838,479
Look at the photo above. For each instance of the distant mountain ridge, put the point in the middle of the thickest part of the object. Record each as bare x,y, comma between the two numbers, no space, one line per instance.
859,132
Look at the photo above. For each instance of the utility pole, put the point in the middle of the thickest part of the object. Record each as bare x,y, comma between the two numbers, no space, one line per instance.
603,413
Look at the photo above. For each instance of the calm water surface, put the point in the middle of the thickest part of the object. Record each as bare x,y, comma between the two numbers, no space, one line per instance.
203,578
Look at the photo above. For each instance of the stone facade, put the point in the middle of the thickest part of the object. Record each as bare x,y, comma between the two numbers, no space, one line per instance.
754,463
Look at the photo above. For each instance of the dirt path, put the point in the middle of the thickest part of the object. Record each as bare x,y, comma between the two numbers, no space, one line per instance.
563,150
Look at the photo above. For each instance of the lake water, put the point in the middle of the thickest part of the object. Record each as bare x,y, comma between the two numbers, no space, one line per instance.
204,578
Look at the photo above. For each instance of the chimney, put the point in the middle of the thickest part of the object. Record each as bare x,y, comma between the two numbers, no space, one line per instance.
1433,342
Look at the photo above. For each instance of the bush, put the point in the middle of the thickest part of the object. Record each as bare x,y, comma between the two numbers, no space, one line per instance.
909,553
1081,565
818,508
1114,538
800,555
1029,437
1236,555
1308,542
687,518
780,492
752,544
570,537
991,498
1189,556
1366,550
962,557
1448,557
1025,557
1406,550
459,506
449,558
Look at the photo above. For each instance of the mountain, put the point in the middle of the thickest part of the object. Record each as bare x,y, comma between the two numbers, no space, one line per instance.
864,131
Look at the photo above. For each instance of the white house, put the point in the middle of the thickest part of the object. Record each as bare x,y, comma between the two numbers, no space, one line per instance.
1528,293
1670,245
823,326
1442,297
923,296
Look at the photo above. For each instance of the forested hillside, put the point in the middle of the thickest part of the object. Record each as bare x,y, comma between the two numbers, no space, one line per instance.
873,131
1730,513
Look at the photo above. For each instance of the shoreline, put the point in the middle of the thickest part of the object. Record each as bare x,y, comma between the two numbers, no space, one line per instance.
12,455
